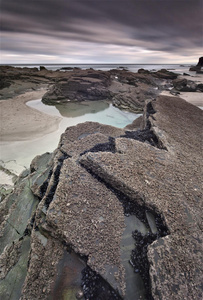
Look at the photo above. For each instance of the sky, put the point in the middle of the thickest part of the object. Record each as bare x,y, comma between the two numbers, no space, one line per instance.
101,31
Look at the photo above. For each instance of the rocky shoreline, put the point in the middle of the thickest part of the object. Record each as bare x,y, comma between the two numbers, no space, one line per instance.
123,88
63,230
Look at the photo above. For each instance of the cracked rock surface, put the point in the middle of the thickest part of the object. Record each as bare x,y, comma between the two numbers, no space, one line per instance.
62,227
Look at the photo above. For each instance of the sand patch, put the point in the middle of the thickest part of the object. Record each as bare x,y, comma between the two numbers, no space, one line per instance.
20,122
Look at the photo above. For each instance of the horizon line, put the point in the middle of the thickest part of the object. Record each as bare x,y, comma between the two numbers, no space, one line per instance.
3,64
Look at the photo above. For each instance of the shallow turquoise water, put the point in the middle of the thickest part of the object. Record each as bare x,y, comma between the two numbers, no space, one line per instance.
74,113
18,155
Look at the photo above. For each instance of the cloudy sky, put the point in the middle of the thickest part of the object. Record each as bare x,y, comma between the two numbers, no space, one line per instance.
101,31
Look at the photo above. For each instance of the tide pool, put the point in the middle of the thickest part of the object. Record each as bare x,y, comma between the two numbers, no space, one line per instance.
17,155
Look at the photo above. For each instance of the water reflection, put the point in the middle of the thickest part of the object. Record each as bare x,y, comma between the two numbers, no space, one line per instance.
134,284
74,113
20,153
73,109
68,279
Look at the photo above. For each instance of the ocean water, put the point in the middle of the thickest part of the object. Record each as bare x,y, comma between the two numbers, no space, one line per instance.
105,67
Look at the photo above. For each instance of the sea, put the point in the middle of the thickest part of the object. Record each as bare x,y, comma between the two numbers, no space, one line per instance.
177,68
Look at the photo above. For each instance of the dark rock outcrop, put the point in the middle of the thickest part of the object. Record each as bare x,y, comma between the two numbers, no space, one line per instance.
41,68
184,85
143,71
200,87
125,89
79,88
198,66
64,226
165,74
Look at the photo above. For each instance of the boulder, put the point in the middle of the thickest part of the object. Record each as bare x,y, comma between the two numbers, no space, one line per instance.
143,71
81,86
41,68
198,66
165,74
184,85
67,68
200,87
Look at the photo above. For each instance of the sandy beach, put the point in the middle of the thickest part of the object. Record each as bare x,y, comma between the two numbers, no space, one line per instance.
20,122
194,98
191,97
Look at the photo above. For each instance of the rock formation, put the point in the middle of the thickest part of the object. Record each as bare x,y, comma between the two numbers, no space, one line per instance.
185,85
126,90
198,66
66,228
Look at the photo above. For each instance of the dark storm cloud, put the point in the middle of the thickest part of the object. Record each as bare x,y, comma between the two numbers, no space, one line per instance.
160,25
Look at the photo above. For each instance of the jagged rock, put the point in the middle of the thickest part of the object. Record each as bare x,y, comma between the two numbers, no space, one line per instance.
95,213
200,87
198,66
82,85
86,86
156,178
200,62
86,137
58,271
135,125
4,84
126,90
184,85
13,268
41,68
67,68
143,71
65,221
165,74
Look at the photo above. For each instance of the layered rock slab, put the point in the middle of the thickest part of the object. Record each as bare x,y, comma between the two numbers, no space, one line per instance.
80,209
168,182
94,221
79,139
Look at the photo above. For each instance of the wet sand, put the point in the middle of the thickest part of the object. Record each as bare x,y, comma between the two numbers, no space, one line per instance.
191,97
20,122
195,98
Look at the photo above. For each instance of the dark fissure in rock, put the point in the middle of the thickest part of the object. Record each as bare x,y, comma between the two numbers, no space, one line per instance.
44,186
51,193
96,288
103,147
150,110
13,227
56,174
147,134
130,206
30,226
138,260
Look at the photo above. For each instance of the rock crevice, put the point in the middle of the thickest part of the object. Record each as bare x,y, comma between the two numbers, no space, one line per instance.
81,196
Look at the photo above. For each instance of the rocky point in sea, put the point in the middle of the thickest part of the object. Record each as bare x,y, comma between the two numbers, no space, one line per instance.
198,66
111,213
